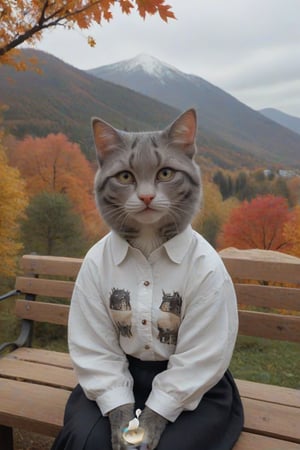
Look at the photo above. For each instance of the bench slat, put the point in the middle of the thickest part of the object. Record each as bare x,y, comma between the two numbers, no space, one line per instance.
43,408
252,323
250,441
42,312
270,326
39,410
269,393
51,265
263,265
275,297
37,373
239,263
249,389
270,419
44,287
41,356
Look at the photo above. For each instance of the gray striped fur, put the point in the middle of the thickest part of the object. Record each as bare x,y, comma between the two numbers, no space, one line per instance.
144,154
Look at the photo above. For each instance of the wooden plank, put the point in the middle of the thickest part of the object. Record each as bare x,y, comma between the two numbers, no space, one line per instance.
269,393
271,419
42,312
274,297
45,287
51,265
37,373
262,265
32,407
250,441
41,356
270,326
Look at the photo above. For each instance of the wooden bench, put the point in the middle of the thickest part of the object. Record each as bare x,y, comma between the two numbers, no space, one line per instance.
36,383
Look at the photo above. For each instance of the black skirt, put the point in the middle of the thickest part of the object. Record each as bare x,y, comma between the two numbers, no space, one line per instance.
214,425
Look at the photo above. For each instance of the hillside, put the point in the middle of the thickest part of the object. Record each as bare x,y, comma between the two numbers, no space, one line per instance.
286,120
223,119
63,99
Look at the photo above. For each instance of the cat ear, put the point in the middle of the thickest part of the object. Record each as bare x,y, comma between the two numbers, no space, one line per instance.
106,138
182,132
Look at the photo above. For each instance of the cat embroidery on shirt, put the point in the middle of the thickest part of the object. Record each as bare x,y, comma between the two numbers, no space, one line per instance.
169,319
119,303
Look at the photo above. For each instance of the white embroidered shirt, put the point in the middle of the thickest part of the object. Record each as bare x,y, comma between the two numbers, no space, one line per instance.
178,305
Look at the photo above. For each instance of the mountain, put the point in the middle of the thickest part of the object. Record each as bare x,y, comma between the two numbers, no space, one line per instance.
63,99
286,120
224,121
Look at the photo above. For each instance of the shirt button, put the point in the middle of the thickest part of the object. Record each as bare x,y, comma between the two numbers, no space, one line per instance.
146,283
144,322
147,347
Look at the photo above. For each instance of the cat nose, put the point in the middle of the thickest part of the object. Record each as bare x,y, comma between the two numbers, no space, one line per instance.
147,199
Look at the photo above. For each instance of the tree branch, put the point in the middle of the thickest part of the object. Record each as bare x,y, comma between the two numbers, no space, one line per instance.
44,23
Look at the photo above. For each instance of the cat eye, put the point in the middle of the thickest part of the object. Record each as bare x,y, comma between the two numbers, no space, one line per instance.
125,177
165,174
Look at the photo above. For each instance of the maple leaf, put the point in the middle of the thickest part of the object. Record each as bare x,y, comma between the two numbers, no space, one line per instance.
91,41
126,6
165,12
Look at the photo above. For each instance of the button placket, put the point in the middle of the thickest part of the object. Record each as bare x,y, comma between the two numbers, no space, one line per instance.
145,298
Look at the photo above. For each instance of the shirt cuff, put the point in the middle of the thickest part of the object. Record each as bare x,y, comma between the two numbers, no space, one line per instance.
164,404
114,398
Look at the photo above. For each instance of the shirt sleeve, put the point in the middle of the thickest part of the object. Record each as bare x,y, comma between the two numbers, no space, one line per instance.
100,364
205,343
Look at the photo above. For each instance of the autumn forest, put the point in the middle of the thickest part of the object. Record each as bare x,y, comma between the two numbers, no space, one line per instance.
47,203
46,177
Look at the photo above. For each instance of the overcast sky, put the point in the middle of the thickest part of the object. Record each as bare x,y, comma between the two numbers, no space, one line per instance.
249,48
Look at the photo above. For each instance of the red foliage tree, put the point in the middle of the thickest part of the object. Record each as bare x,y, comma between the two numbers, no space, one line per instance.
257,224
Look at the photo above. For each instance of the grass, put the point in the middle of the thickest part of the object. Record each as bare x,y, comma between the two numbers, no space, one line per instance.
267,361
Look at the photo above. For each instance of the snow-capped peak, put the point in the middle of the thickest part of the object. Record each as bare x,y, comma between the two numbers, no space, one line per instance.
149,64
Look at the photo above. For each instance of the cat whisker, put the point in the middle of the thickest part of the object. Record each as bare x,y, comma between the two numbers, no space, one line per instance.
118,215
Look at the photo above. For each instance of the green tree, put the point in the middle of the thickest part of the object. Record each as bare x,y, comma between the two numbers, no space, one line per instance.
225,184
52,227
280,188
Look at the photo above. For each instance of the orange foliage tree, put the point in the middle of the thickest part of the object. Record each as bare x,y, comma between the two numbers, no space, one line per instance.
213,213
13,201
293,186
25,20
291,231
54,164
258,224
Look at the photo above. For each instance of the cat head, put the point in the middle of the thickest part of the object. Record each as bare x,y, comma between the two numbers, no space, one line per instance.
147,179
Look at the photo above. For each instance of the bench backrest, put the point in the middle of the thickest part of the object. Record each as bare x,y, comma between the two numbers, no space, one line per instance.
267,286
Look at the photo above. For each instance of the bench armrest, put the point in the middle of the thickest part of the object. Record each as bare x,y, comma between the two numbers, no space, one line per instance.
24,337
9,294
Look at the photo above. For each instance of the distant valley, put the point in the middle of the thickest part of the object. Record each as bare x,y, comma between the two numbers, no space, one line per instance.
63,99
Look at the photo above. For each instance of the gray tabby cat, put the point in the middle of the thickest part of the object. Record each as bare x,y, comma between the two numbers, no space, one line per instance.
148,185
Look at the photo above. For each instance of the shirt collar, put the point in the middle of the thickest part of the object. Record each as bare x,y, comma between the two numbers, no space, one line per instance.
176,248
119,248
